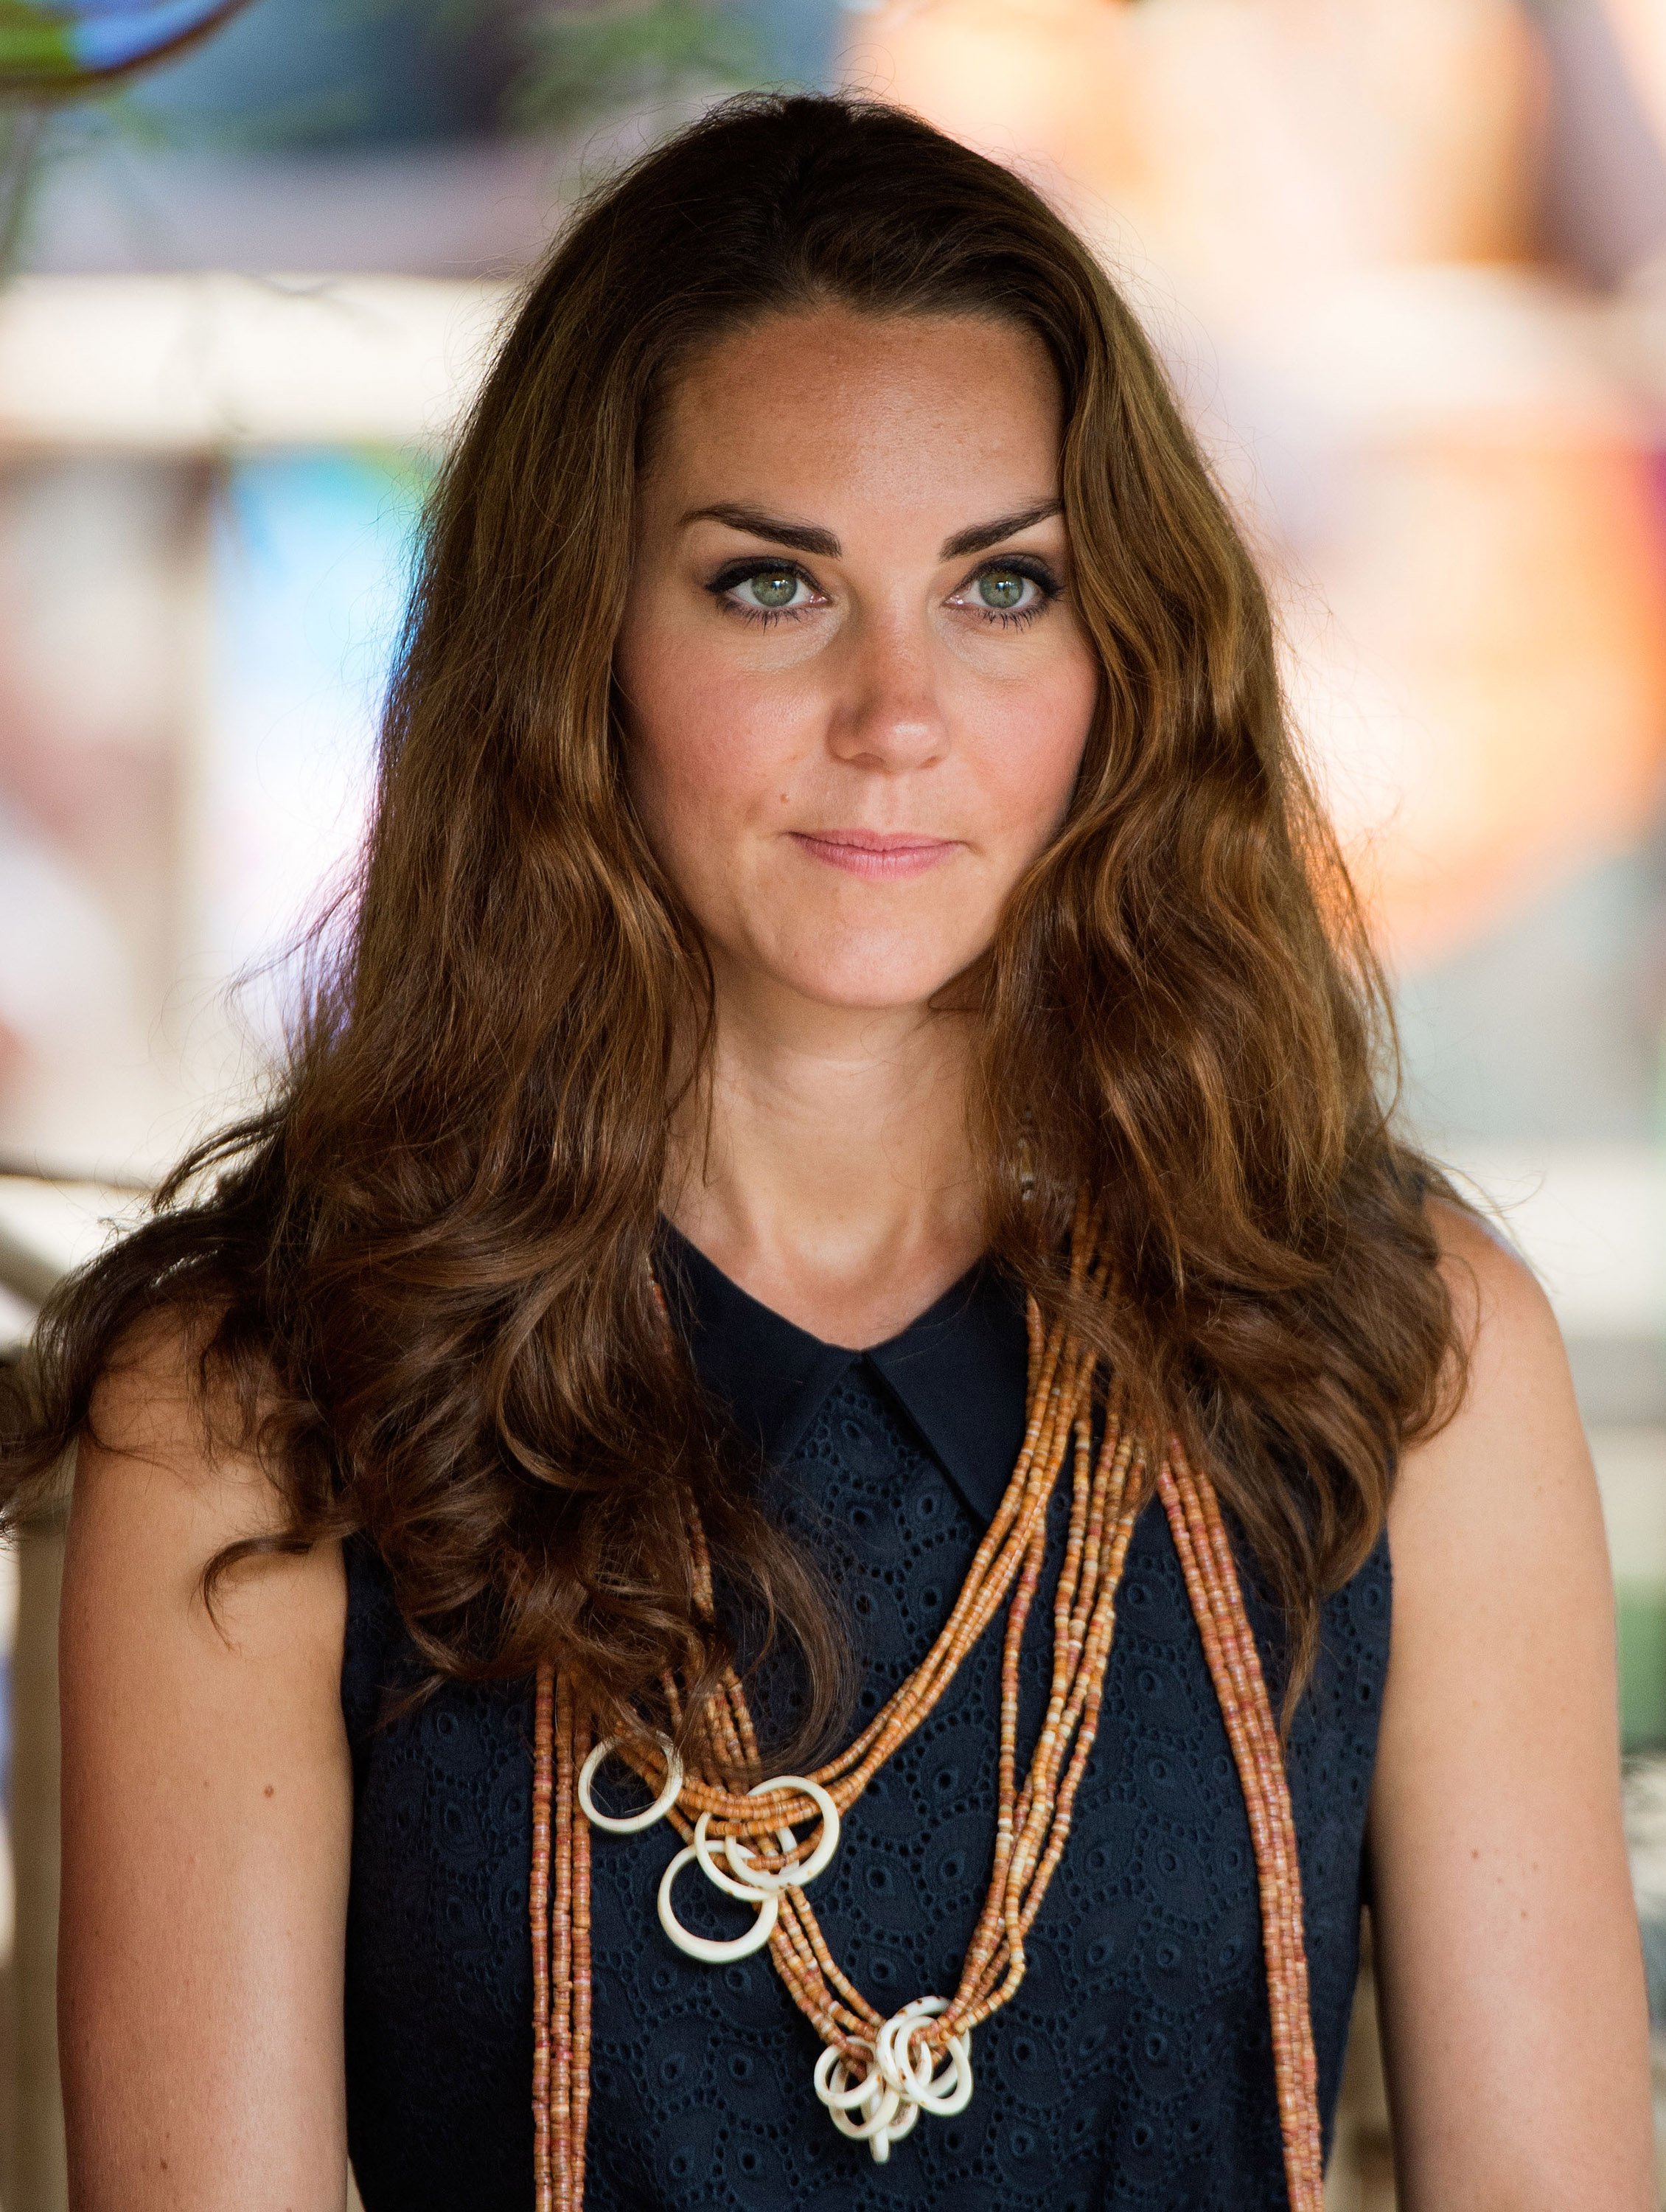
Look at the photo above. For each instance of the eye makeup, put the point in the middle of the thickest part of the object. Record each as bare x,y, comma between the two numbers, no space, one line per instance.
735,575
1031,568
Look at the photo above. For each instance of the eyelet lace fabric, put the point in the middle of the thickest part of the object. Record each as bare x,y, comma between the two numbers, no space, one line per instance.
1134,2067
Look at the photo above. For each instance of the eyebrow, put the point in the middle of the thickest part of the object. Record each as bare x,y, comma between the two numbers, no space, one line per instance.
983,535
802,536
807,538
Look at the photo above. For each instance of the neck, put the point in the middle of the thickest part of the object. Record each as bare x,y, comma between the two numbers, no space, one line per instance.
827,1169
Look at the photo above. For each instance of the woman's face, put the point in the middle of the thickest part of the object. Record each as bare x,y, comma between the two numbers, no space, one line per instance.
856,688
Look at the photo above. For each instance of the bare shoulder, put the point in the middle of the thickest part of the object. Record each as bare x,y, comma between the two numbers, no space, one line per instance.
152,1406
164,1482
1495,1522
1498,1304
1508,1964
207,1803
158,1419
1512,1423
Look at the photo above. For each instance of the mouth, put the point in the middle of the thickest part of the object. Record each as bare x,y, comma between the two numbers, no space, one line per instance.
880,855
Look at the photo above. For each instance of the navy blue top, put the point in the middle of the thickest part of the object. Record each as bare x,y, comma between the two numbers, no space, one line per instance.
1133,2067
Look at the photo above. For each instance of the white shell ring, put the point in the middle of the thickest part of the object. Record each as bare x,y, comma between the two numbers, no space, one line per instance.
628,1824
913,2080
711,1950
889,2126
881,2145
705,1851
897,2086
886,2118
841,2099
789,1877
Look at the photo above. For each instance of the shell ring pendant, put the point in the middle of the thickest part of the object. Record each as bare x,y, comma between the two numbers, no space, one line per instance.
900,2084
742,1877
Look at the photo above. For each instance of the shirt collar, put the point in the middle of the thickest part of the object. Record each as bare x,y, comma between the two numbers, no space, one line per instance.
959,1370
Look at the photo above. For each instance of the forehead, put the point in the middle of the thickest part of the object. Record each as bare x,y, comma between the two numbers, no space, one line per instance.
915,411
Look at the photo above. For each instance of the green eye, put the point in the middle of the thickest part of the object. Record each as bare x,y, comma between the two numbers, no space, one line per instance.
1002,588
774,587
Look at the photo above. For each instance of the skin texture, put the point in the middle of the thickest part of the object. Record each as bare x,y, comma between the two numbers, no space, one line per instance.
834,1180
1515,2022
207,1790
206,1801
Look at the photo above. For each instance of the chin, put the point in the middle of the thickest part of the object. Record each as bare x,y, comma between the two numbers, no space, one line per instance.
863,983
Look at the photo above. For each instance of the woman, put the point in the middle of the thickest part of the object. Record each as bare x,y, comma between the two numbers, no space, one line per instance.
845,1113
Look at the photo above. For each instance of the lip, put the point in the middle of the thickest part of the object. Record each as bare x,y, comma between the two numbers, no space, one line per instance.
882,855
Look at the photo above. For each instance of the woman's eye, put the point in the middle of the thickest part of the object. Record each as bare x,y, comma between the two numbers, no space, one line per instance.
773,589
1004,589
1008,592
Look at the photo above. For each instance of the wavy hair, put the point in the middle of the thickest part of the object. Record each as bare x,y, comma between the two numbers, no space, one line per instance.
419,1277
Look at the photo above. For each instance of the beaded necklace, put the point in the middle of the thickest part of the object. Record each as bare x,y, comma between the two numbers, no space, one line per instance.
877,2073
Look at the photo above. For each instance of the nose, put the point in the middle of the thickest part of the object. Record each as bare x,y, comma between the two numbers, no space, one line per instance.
887,715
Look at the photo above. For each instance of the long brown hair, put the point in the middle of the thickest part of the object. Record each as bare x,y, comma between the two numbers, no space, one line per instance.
421,1275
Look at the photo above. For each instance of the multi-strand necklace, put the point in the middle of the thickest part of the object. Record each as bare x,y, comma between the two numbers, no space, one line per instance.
877,2073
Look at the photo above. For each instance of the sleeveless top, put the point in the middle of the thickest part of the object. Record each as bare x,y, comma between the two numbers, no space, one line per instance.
1134,2066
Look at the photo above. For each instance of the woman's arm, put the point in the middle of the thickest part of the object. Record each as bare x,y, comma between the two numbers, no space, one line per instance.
1509,1970
207,1820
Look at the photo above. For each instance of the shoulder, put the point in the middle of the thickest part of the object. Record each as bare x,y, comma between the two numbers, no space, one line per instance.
207,1802
1503,1598
166,1479
1506,1936
1499,1308
162,1411
1509,1426
1506,1469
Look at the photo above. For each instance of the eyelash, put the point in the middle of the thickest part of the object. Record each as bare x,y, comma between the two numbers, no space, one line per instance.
727,580
1020,564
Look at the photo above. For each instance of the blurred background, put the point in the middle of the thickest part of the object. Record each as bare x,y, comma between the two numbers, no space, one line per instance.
1407,259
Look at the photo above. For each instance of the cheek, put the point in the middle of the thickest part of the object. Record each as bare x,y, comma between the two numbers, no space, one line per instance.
701,759
1029,751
